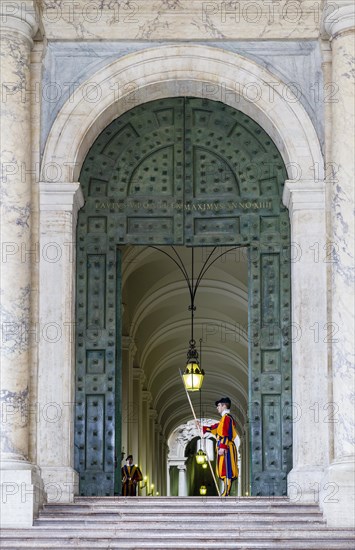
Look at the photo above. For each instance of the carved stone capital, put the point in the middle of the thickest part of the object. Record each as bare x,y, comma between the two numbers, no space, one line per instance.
339,17
18,18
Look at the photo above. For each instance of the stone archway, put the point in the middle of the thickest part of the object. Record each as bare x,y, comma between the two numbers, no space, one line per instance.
195,172
157,73
172,71
178,442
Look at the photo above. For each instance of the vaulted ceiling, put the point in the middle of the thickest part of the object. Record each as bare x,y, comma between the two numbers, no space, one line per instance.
156,316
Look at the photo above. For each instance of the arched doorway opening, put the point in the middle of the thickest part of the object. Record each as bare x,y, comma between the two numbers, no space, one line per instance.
196,475
195,172
185,476
157,318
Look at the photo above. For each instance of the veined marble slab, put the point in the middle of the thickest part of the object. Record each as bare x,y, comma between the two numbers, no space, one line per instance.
297,64
180,19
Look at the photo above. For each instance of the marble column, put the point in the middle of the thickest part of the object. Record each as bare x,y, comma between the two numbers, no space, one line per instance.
145,436
166,455
125,414
306,203
182,480
151,449
338,496
131,412
161,465
20,482
136,406
240,469
126,341
128,413
168,479
59,205
210,447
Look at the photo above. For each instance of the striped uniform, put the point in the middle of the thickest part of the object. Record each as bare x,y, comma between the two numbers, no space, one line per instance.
225,431
131,475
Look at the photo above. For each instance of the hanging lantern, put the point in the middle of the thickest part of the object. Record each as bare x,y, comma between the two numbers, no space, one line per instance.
193,375
200,457
203,490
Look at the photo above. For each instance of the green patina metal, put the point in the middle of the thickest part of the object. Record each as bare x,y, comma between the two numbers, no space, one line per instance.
195,172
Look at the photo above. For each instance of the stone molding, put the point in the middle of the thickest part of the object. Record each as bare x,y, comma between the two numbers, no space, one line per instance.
128,344
304,195
66,197
153,415
138,374
147,397
15,461
339,21
22,21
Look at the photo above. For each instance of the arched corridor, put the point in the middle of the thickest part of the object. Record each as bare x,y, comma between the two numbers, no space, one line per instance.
157,318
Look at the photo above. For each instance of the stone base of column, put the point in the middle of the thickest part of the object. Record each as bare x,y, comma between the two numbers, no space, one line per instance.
61,483
303,484
337,499
22,495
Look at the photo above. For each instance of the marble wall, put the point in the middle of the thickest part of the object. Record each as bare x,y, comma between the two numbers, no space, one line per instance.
180,19
241,42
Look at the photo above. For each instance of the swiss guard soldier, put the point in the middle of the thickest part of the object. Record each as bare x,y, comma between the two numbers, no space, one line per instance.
131,476
225,432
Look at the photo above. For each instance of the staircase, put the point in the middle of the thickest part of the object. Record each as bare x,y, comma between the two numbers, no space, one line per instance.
119,523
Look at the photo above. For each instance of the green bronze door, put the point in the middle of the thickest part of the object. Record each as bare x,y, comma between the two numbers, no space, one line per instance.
195,172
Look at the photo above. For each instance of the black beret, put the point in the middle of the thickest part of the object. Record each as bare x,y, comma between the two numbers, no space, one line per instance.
129,456
225,400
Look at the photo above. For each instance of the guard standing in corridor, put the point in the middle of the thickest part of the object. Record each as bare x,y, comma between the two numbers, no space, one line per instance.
131,476
225,432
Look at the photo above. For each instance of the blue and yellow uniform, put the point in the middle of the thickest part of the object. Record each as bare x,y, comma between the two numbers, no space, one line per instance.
227,464
131,475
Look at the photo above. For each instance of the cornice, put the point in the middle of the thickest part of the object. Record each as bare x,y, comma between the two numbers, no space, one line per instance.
61,196
304,195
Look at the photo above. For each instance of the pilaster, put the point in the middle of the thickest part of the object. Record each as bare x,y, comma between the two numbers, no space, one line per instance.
59,205
305,201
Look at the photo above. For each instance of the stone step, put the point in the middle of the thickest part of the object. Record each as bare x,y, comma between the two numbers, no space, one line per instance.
119,523
73,508
219,542
287,526
185,511
182,500
90,533
185,502
188,522
220,503
107,544
193,517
